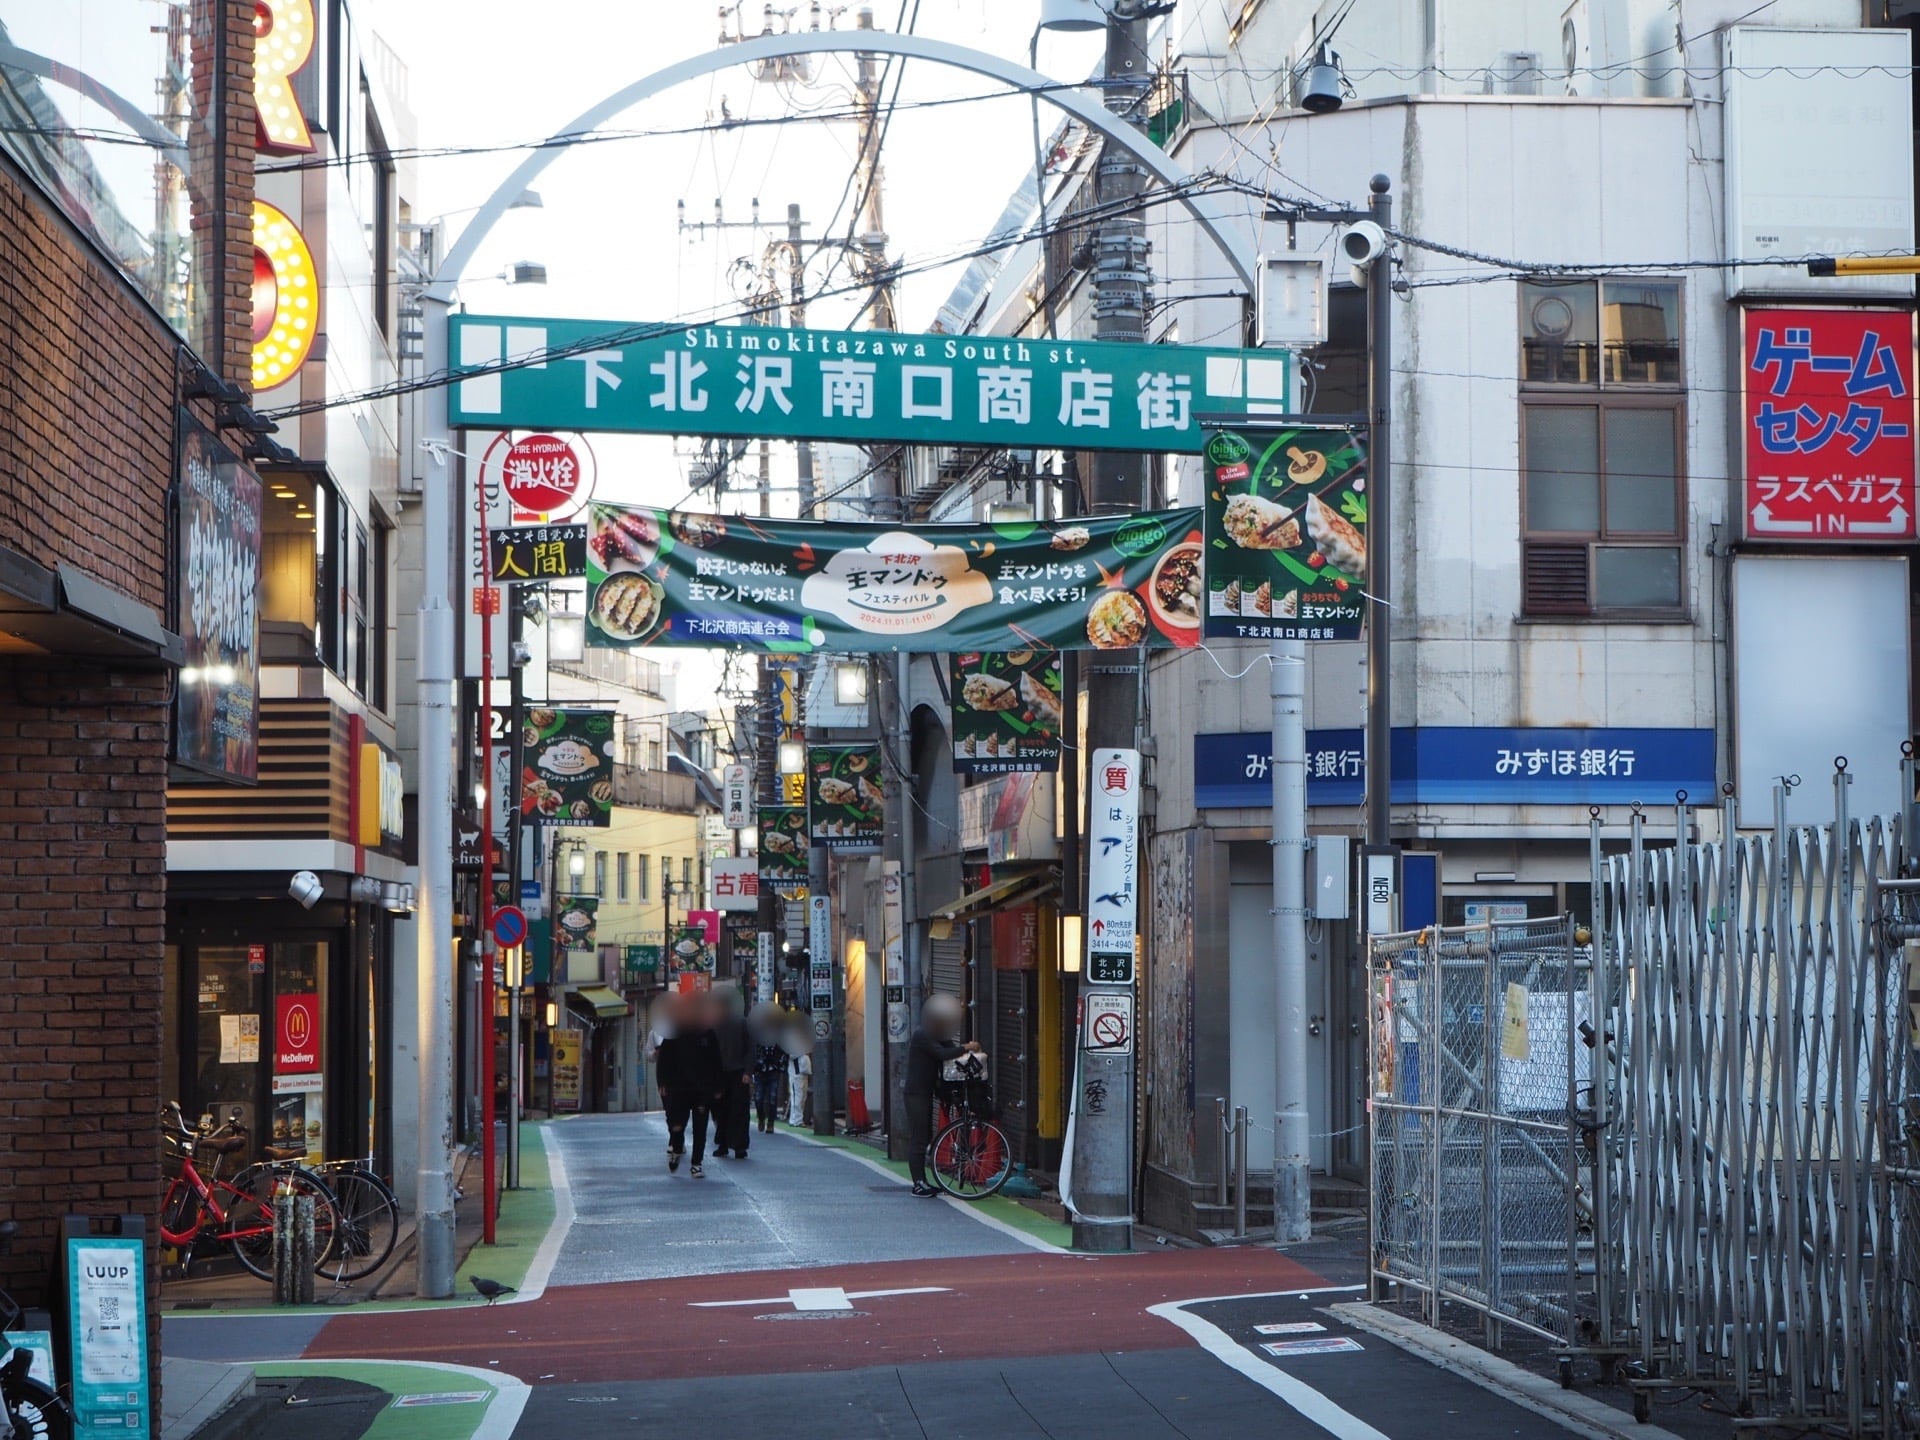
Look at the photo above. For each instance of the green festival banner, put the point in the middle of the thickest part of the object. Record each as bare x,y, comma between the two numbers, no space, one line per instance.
846,798
1286,533
568,775
657,577
1007,711
783,847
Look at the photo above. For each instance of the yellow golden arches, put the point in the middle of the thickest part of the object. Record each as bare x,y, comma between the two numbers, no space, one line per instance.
286,297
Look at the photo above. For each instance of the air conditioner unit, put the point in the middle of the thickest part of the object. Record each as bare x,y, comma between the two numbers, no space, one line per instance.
1596,49
1516,72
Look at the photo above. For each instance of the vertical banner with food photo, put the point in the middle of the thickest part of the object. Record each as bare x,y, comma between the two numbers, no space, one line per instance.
692,951
1007,713
846,799
568,778
783,847
1286,533
575,923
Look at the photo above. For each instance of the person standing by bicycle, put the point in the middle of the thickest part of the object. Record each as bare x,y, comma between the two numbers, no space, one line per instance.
936,1040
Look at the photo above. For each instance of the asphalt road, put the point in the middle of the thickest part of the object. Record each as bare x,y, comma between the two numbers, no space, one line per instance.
802,1293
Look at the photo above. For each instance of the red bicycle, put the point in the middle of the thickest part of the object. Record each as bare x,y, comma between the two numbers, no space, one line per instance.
970,1157
237,1213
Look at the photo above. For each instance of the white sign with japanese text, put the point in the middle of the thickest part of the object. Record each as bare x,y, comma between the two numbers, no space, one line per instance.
736,792
1113,860
736,884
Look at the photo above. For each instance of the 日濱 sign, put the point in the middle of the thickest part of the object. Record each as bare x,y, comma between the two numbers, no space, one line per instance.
736,795
752,382
1113,864
1829,411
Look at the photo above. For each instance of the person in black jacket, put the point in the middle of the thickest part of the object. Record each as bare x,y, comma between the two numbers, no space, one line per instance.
731,1117
935,1041
687,1065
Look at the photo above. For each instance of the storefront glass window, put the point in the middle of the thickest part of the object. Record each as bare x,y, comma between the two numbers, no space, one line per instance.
227,1007
299,1071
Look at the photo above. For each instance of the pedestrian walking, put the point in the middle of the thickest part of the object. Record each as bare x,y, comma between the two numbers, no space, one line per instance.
732,1116
769,1073
799,1087
687,1065
936,1040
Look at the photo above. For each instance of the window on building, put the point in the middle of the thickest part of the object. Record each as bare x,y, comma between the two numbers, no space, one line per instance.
686,872
1602,436
380,619
600,872
666,877
644,864
622,862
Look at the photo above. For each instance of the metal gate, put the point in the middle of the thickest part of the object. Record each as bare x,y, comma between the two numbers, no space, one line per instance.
1687,1145
1474,1062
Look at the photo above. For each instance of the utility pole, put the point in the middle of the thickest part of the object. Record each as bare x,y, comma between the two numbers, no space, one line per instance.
1103,1141
1380,527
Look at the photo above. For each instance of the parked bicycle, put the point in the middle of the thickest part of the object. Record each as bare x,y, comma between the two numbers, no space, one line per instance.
366,1220
970,1157
28,1409
238,1212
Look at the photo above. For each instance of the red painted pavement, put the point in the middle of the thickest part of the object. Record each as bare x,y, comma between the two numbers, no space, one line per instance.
1010,1305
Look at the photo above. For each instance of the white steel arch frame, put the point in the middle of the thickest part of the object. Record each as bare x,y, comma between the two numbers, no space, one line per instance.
1225,231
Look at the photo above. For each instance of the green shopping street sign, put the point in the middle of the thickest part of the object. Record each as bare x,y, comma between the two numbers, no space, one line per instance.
865,387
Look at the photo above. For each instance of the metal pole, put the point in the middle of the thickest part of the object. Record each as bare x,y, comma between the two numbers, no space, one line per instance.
490,1182
1380,530
1292,1186
1220,1135
516,837
1103,1142
818,883
1239,1172
434,953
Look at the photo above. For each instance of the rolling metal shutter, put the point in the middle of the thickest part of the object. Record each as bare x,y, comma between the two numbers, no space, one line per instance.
947,964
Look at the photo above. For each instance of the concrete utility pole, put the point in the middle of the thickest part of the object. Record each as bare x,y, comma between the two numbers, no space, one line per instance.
1103,1142
1380,528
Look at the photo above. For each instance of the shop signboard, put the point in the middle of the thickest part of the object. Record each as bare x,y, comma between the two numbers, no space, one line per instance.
846,805
577,920
296,1034
736,884
1467,765
568,774
1286,554
783,846
1830,416
1016,938
565,1047
691,952
107,1333
537,552
753,382
216,700
659,577
1113,865
533,477
1007,711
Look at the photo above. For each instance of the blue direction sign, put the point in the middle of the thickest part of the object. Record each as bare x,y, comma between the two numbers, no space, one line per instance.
510,926
752,382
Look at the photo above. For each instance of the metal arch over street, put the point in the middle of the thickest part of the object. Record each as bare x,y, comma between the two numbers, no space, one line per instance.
1219,226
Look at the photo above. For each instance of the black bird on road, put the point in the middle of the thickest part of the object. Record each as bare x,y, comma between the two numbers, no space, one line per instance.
492,1289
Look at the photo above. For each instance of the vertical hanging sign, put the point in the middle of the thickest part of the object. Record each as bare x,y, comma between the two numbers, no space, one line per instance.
820,953
1113,866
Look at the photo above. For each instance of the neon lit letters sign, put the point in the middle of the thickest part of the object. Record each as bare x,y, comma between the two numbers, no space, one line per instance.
286,297
283,39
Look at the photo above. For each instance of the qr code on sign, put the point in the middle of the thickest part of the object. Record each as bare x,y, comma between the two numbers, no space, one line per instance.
109,1309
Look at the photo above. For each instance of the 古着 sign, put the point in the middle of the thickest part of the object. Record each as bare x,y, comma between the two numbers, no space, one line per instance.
752,382
657,577
736,884
1830,416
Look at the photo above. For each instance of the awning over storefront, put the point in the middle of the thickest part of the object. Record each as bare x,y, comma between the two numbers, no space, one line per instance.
1014,890
599,1001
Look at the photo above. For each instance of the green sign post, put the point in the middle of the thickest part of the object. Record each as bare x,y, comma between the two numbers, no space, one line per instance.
868,388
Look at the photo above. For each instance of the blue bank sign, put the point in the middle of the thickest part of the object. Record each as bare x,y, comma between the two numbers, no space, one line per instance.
1467,765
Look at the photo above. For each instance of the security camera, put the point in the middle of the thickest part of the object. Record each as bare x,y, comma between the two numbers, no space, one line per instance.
306,888
1362,243
519,653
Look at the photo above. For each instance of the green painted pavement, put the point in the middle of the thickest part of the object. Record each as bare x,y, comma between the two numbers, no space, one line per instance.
424,1422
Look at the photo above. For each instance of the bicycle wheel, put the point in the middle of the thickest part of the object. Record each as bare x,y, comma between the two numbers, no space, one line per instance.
36,1412
366,1226
970,1159
249,1227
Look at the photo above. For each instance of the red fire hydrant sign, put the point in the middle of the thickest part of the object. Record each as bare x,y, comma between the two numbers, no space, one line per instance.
1828,405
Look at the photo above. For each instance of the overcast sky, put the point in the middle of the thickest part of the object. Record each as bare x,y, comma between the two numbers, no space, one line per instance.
493,73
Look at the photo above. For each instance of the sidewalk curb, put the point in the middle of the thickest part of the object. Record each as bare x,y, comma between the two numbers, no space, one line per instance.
1579,1414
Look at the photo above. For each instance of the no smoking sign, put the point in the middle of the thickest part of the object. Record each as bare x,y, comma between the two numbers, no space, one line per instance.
1107,1025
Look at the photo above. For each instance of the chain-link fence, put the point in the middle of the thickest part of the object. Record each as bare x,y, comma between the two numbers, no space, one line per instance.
1476,1059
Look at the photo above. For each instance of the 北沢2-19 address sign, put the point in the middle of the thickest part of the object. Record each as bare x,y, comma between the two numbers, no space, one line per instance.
753,382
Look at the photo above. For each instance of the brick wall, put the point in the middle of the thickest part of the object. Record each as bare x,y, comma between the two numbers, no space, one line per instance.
83,908
87,423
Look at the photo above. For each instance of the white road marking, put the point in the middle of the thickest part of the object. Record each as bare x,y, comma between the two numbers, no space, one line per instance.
508,1398
1323,1345
818,1298
541,1271
1292,1327
1302,1397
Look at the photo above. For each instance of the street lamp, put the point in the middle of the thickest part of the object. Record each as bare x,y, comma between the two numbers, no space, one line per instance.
576,862
793,757
1072,15
850,682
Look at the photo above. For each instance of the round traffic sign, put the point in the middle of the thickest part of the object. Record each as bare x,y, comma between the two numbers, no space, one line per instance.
509,926
1109,1029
